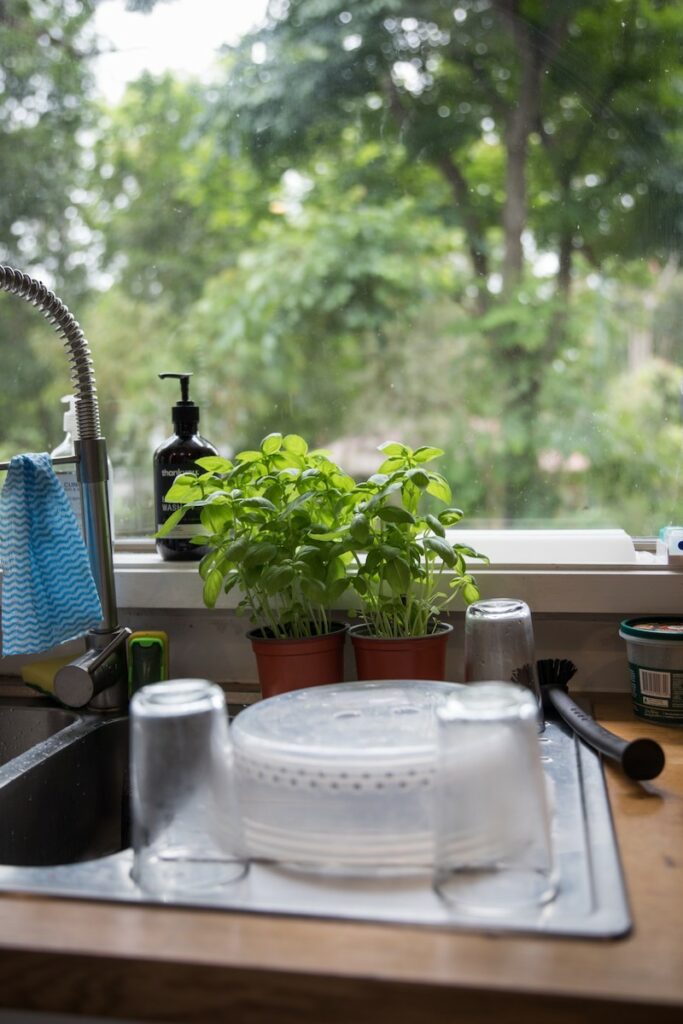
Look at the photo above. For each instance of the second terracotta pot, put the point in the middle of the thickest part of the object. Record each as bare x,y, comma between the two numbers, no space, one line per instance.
415,657
285,665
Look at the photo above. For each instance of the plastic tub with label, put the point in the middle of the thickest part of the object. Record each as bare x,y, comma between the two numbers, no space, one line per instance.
654,647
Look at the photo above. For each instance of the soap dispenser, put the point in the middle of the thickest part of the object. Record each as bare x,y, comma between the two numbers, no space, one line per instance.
66,473
176,455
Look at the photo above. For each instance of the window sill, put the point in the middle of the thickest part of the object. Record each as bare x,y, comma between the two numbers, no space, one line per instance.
143,580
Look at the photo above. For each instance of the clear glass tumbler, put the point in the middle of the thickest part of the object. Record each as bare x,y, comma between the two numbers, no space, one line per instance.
499,645
186,829
492,824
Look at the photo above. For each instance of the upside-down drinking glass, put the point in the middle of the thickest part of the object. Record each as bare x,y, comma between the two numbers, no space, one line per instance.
186,831
499,645
492,825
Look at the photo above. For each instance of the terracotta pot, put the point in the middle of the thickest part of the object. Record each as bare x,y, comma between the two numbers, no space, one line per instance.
415,657
285,665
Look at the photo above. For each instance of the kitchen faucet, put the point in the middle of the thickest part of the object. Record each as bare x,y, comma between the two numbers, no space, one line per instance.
97,678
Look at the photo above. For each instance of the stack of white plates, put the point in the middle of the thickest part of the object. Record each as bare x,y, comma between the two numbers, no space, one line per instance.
340,775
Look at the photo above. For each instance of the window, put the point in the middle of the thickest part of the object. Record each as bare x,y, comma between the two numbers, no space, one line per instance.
453,223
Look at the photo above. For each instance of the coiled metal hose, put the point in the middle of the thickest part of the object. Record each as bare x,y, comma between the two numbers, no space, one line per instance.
78,350
91,456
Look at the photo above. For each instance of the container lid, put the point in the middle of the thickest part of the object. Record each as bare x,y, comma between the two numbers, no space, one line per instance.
653,627
345,726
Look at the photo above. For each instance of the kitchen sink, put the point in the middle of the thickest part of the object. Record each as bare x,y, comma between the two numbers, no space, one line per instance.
65,799
65,831
64,784
23,726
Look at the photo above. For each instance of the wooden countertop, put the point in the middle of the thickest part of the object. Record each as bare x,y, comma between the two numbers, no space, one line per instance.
165,964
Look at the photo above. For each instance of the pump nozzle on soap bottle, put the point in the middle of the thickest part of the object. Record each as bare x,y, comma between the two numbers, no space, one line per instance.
176,455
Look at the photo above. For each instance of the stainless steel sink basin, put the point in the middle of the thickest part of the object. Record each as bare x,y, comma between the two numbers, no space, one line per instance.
24,726
64,832
66,799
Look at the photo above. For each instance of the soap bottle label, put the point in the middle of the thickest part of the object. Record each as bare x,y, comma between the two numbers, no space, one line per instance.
72,489
191,520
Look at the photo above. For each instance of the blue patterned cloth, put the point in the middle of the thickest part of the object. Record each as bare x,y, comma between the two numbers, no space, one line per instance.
48,592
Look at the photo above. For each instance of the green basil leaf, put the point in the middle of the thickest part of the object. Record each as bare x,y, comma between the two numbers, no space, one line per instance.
471,553
172,521
388,551
438,488
184,489
313,589
436,525
257,502
397,575
442,548
450,516
277,578
395,514
212,587
426,454
334,590
271,444
298,502
391,465
360,529
336,570
419,477
394,448
214,464
248,456
259,554
236,550
359,585
296,444
288,460
214,517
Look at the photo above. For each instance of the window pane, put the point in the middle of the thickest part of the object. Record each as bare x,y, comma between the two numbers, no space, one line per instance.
441,223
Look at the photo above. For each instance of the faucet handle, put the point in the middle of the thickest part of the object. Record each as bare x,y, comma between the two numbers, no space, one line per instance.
103,667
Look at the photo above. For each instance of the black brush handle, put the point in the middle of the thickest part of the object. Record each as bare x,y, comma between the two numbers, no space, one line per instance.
639,759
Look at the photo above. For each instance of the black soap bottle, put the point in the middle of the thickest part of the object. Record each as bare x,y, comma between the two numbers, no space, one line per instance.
176,455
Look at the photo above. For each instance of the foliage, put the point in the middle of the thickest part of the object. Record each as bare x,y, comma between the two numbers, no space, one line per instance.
401,550
549,118
171,206
640,452
379,219
451,92
292,530
262,518
296,331
44,75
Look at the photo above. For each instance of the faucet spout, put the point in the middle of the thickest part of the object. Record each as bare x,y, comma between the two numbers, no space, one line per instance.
107,688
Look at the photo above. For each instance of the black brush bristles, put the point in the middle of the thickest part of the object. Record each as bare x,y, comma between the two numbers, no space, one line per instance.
555,672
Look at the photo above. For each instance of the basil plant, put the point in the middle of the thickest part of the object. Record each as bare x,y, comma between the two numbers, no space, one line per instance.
267,518
408,570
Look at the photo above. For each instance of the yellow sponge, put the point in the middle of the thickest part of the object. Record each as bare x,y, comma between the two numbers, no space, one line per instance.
41,674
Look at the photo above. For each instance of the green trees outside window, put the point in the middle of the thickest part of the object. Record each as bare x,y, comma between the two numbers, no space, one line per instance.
458,220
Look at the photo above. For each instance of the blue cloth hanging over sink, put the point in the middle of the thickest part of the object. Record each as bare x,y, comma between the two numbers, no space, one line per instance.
48,591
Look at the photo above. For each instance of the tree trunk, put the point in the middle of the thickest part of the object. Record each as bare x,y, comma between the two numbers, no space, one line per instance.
474,232
519,126
564,272
535,51
515,210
